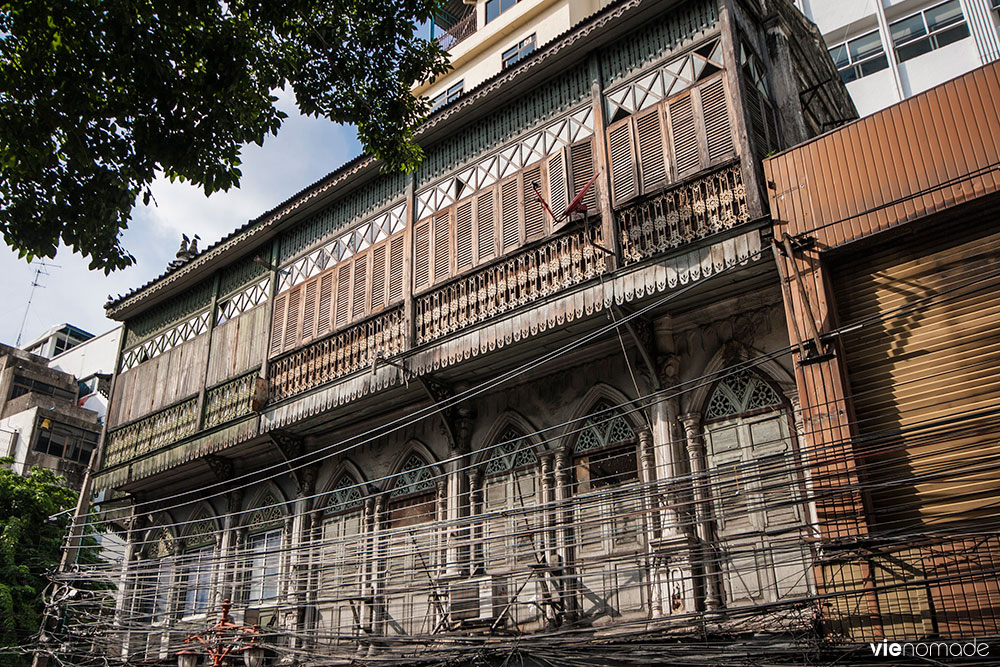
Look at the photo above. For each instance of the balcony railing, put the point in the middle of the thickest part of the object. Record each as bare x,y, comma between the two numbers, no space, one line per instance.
343,353
521,279
681,214
230,401
150,433
457,33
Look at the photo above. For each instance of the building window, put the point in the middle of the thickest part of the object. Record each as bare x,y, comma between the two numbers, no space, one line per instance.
928,30
23,385
66,442
448,96
197,567
860,57
517,53
263,567
495,8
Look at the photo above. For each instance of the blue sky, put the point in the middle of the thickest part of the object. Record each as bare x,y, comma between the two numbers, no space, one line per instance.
305,150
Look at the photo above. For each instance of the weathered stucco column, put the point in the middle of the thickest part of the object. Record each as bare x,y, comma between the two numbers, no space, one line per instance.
703,509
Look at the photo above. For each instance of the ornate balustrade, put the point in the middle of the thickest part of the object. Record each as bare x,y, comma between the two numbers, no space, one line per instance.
150,433
523,278
465,28
681,214
230,401
345,352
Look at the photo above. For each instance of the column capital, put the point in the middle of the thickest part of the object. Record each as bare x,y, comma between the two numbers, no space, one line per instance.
691,421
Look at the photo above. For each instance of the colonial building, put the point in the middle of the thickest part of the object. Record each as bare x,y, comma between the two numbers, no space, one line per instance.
417,416
890,240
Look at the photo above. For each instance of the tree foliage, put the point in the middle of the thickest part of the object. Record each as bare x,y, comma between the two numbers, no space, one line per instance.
29,549
99,96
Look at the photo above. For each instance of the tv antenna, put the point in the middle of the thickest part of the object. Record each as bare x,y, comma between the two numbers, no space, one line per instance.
40,270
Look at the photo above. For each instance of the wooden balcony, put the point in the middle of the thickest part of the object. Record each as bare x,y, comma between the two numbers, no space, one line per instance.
151,433
705,205
525,277
345,352
230,401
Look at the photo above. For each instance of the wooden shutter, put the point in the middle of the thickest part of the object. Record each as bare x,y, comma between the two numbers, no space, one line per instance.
360,286
509,215
683,135
485,227
463,236
292,320
652,154
558,191
581,158
718,133
623,183
309,309
442,245
325,303
378,278
344,294
534,214
422,254
396,269
758,132
278,323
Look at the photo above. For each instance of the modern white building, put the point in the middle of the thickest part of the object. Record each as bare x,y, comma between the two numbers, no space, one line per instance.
888,50
92,363
57,340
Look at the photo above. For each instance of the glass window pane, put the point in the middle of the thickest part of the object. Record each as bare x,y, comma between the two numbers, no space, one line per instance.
492,10
874,65
951,35
914,49
943,15
839,55
907,29
849,74
507,4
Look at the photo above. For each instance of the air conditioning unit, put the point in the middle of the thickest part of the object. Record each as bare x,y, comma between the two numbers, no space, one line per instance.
476,601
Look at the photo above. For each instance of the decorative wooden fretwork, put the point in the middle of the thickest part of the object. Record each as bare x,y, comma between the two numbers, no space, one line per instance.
343,247
663,82
493,168
684,23
345,495
151,433
679,215
201,532
169,313
606,429
161,543
344,212
514,451
741,392
268,513
535,107
230,401
165,341
414,477
523,278
348,351
249,297
244,271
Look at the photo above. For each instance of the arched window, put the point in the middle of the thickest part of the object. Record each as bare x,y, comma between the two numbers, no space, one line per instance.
339,567
412,497
757,494
261,561
510,524
196,564
154,577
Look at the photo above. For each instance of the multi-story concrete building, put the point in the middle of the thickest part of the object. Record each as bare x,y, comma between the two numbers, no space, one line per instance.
888,50
57,340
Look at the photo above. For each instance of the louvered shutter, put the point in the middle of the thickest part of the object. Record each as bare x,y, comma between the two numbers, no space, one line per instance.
485,227
509,215
442,245
652,158
683,135
581,157
396,269
344,294
278,323
422,254
325,304
623,183
558,192
360,286
292,320
309,309
463,236
718,132
534,214
758,132
378,278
